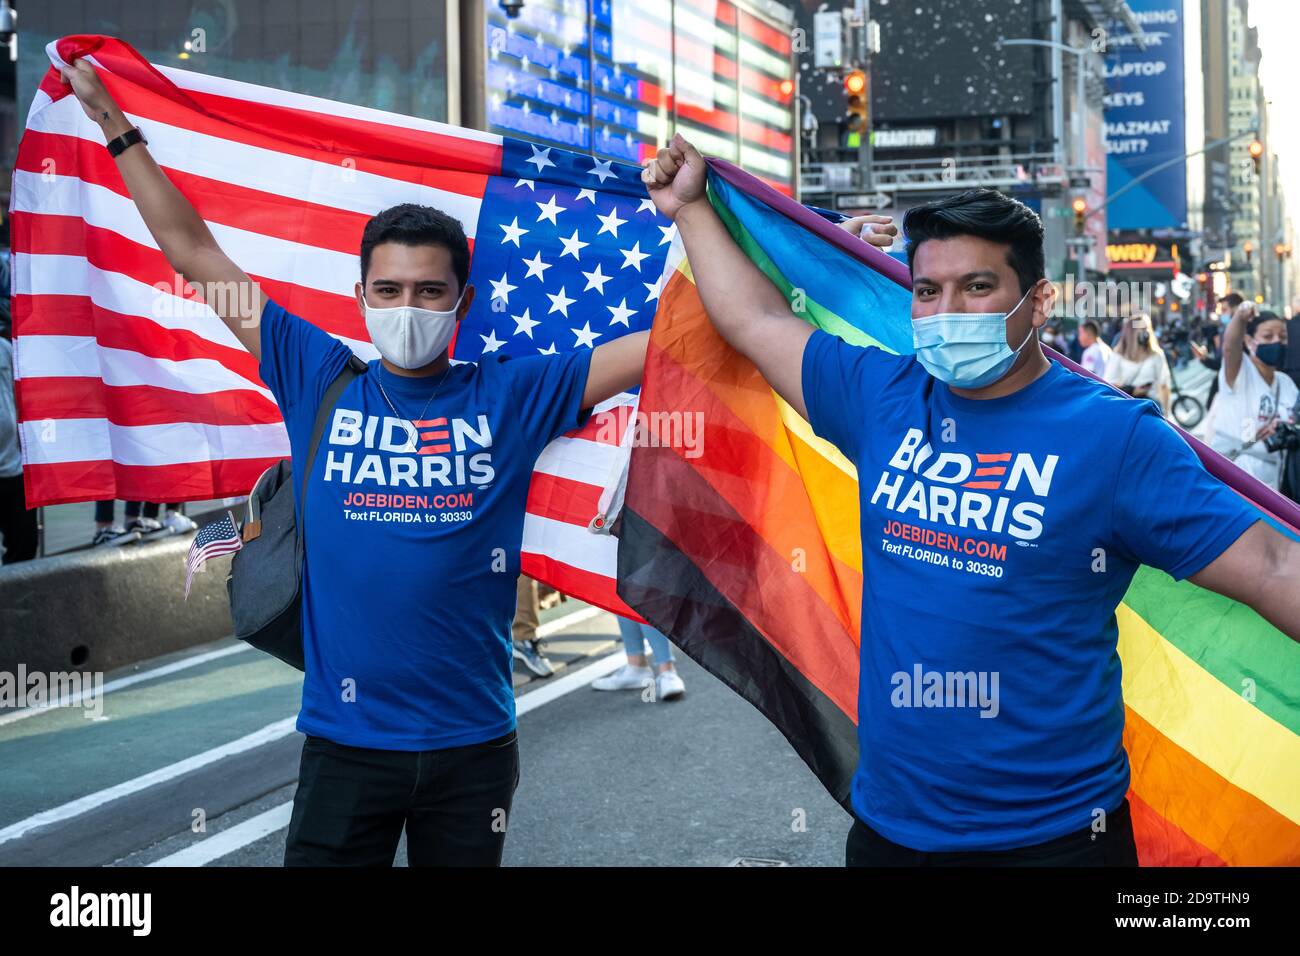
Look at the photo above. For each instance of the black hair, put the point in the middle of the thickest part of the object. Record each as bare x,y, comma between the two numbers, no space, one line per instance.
1253,325
410,224
988,214
1092,327
1232,300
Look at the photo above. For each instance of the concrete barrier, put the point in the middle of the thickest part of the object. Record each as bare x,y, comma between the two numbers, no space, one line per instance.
103,608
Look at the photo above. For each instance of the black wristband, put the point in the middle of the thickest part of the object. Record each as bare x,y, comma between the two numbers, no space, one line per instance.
129,138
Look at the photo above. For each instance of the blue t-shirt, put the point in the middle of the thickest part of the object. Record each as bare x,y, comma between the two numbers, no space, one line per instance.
998,537
413,545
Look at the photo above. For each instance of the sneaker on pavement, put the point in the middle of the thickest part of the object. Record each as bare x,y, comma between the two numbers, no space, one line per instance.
669,686
626,677
114,536
148,528
178,522
532,657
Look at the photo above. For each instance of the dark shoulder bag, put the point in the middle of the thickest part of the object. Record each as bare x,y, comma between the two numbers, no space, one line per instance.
265,580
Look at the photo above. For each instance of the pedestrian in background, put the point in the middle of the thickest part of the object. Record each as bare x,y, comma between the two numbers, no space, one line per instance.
1138,366
637,674
523,630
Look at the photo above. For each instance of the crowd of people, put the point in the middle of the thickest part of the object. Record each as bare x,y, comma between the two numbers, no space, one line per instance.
1251,405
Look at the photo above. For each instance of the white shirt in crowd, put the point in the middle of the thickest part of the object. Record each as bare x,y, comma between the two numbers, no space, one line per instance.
1239,412
1096,357
1152,370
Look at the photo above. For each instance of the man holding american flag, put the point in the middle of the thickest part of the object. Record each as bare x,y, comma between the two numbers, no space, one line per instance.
419,496
416,507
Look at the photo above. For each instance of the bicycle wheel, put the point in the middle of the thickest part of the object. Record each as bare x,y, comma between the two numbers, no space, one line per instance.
1188,411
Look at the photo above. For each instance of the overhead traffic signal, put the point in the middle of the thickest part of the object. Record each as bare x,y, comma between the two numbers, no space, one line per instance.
1080,207
1248,248
855,106
1256,153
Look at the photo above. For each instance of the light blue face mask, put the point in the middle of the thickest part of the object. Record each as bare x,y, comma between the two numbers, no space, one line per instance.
967,349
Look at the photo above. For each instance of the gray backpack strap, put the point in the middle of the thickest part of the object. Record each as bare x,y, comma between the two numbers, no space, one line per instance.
354,367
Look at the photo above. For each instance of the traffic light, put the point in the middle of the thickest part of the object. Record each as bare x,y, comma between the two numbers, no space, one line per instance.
1248,248
1080,207
1279,250
855,107
1256,153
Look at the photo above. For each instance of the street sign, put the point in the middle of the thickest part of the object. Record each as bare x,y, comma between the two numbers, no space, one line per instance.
828,40
864,201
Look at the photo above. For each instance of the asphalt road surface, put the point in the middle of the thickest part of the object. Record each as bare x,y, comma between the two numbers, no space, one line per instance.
191,760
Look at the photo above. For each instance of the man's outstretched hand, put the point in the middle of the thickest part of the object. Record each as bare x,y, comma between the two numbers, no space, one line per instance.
879,231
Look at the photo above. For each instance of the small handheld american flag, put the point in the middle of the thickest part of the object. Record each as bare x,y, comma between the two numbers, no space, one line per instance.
220,537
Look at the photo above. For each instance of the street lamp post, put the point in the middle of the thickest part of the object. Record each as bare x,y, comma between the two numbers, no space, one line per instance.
1080,150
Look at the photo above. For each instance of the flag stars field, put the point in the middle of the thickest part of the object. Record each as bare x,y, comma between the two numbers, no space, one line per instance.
524,324
632,257
536,267
541,158
596,280
585,335
620,314
610,222
560,302
573,246
501,288
549,210
513,232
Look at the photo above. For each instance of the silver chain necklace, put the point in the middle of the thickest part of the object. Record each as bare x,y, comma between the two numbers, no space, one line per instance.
396,414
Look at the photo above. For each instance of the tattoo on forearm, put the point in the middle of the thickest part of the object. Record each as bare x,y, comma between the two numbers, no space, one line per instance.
104,116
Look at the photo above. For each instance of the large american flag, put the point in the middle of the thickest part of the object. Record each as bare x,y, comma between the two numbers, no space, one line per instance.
130,387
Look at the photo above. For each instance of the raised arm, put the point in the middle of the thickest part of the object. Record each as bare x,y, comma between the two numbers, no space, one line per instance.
180,232
1259,569
1233,341
748,311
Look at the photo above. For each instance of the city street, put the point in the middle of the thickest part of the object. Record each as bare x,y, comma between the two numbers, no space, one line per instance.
607,778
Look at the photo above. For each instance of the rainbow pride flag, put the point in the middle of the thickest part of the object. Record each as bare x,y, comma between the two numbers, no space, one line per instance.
746,550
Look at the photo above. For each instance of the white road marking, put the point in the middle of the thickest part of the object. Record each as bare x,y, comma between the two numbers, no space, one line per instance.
73,700
277,818
268,734
228,841
271,733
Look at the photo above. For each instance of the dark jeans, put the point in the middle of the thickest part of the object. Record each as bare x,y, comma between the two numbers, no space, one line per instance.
17,524
1115,847
352,803
104,510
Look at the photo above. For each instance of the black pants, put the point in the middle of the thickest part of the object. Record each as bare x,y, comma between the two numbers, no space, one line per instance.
17,524
352,803
1115,847
104,510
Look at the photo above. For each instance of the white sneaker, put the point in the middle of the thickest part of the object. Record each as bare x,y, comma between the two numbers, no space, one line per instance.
626,677
668,686
178,522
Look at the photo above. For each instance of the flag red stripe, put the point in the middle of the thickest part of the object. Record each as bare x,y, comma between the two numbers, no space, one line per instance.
55,484
597,589
67,397
563,499
389,151
77,315
266,213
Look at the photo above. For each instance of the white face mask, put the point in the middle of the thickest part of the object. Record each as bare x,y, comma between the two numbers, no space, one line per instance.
410,337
